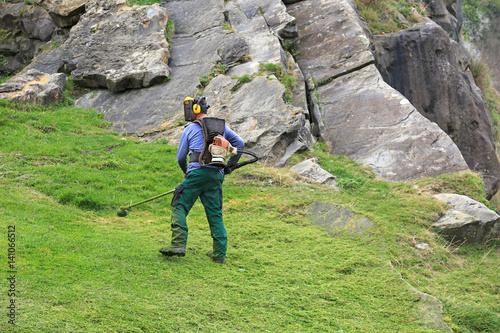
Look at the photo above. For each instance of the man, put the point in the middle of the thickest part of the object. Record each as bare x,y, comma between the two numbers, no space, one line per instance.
203,178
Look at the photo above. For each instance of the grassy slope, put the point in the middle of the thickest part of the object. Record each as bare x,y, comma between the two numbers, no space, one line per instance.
82,269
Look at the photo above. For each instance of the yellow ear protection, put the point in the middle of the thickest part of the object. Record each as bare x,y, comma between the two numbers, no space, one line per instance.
199,106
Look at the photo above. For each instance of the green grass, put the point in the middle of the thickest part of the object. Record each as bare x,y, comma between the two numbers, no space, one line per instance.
268,69
382,16
143,2
80,268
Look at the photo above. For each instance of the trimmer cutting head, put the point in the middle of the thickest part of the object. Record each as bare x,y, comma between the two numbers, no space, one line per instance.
121,212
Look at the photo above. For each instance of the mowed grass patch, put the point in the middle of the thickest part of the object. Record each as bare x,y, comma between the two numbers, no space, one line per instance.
77,273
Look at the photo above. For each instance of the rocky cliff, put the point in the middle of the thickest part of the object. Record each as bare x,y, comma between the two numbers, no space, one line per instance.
283,74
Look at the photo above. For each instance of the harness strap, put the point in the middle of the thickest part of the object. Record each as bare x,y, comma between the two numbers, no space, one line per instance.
194,157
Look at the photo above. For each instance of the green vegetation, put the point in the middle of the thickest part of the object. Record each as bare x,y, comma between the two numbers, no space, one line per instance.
5,78
80,268
241,81
288,80
170,31
227,26
290,47
384,16
472,9
5,35
143,2
205,79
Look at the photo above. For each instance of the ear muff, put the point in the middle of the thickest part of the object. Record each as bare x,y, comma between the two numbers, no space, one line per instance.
196,108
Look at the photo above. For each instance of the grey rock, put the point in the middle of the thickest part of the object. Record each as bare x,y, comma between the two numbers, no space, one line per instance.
10,13
46,62
118,47
65,13
275,15
353,110
37,24
9,48
232,49
334,40
311,170
427,68
10,23
34,87
448,14
337,220
193,54
12,64
372,123
263,45
469,221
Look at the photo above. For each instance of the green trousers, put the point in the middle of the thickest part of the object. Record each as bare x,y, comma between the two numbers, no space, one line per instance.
205,183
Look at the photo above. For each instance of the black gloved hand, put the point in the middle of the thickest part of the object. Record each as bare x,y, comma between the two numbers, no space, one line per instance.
227,170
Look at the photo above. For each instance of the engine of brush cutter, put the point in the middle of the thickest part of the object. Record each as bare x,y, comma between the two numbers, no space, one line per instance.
221,149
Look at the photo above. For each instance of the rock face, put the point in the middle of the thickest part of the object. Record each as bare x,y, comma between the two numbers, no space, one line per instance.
428,68
34,87
118,47
468,221
257,111
354,111
193,54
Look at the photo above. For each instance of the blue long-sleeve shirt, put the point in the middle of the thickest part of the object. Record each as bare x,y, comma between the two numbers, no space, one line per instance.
192,140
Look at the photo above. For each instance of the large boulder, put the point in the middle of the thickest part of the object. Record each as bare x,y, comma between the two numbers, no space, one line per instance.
274,14
468,220
431,71
65,13
118,47
37,24
34,87
354,111
334,40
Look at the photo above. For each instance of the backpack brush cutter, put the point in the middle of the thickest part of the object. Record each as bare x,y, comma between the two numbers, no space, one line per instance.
220,149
